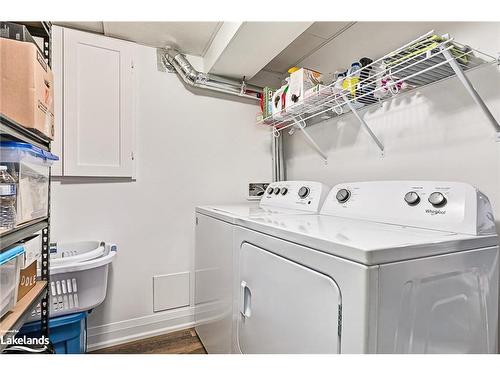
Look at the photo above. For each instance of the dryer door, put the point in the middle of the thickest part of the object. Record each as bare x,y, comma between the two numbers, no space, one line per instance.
285,307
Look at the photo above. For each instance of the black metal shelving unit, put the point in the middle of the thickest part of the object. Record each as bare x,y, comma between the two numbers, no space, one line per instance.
10,130
42,30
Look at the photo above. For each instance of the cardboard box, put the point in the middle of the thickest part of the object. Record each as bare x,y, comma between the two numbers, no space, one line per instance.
268,102
278,102
32,250
301,81
27,280
26,87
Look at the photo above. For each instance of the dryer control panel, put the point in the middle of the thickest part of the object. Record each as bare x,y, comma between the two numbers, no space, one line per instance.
295,195
447,206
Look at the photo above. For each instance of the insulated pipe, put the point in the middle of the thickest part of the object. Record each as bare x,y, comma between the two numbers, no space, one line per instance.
208,81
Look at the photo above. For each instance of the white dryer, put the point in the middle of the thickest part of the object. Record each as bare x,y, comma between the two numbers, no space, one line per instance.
214,252
387,267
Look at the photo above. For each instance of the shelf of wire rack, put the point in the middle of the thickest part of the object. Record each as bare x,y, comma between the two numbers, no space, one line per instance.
11,323
19,233
424,61
9,129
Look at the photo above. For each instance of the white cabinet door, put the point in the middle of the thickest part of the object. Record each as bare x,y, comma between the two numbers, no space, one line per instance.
57,69
98,106
285,307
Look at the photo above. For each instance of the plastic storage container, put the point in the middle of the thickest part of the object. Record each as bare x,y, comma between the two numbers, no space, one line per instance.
29,165
10,264
68,333
8,197
78,276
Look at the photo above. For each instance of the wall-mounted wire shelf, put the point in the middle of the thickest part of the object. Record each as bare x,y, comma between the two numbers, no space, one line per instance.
425,60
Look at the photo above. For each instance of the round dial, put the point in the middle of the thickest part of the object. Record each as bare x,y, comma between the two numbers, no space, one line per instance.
277,191
412,198
343,195
284,191
437,199
304,192
270,190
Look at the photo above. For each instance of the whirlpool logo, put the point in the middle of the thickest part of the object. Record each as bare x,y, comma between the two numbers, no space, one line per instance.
435,212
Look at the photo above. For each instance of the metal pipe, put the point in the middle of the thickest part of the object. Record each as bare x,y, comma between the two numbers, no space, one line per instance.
279,173
194,78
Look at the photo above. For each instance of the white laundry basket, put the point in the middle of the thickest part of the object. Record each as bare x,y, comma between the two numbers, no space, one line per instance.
78,276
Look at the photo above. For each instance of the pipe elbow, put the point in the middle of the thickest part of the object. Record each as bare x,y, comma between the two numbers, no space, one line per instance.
197,79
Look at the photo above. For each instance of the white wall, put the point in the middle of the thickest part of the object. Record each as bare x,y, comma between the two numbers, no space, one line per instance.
437,133
192,148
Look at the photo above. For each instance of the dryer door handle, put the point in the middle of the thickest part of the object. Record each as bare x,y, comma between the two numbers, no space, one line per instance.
245,300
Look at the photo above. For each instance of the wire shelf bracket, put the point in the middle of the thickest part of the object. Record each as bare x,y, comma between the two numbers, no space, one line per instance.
364,124
472,91
301,125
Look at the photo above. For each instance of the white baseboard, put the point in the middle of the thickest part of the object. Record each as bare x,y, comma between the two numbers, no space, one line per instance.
138,328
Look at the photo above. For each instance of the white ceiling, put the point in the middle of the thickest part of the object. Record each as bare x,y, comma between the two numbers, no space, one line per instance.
313,39
245,54
192,38
316,36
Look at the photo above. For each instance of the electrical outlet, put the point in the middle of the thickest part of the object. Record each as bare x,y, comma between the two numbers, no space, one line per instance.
256,190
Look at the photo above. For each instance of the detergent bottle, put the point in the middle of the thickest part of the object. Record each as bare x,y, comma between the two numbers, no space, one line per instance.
350,84
351,81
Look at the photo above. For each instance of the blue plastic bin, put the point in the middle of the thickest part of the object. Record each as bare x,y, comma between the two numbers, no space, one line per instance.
67,333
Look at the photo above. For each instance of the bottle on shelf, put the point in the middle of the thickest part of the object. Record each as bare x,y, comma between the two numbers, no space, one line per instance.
366,84
8,199
350,83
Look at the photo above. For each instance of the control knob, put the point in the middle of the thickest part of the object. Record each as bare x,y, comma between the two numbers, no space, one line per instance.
270,190
277,191
437,199
303,192
284,191
343,195
412,198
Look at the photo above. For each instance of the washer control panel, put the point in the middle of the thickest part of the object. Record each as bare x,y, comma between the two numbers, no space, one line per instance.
295,195
447,206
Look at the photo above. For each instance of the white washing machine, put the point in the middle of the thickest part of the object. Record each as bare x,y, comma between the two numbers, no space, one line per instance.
387,267
214,252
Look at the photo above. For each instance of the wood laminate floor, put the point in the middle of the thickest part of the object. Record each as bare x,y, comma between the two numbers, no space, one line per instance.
180,342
